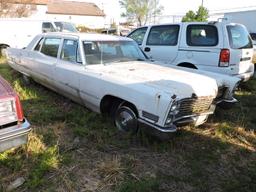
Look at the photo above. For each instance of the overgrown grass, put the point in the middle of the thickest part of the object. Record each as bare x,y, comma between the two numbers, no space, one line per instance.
144,185
74,149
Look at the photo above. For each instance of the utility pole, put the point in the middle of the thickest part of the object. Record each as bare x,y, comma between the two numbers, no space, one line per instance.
202,3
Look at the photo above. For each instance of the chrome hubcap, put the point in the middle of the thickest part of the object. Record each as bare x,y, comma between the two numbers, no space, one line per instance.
126,120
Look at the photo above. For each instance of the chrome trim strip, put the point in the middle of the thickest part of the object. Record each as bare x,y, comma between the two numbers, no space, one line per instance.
233,100
150,116
170,129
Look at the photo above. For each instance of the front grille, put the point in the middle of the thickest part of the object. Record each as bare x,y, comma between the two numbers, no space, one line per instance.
193,106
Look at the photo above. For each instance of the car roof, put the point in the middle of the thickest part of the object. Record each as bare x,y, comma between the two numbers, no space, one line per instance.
180,23
89,36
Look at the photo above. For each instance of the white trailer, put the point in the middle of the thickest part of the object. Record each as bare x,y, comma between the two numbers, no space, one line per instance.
18,32
247,18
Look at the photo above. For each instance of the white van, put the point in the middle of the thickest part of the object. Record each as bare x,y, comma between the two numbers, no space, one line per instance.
17,33
214,46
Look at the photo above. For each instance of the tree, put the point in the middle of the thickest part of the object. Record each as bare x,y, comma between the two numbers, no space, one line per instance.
202,14
11,9
141,10
190,16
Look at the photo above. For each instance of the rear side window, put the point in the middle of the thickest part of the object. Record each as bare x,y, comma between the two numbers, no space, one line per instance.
50,46
238,37
138,35
202,35
166,35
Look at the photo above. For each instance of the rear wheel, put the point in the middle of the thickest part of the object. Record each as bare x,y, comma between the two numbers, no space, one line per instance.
26,79
125,119
187,65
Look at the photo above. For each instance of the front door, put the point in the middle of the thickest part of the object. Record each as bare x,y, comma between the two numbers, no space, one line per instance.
45,59
162,43
68,68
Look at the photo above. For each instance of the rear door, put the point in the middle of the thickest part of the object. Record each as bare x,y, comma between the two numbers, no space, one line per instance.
241,48
200,45
45,59
162,43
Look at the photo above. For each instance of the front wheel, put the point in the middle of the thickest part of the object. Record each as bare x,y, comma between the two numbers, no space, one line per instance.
125,119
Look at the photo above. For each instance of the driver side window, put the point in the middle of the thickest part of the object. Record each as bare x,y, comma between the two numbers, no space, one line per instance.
138,35
70,51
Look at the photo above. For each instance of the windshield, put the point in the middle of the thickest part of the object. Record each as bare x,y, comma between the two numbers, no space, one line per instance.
102,52
65,27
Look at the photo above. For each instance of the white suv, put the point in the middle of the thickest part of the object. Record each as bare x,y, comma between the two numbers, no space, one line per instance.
214,46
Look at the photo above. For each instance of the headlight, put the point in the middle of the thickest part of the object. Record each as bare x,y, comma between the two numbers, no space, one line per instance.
169,119
174,107
174,110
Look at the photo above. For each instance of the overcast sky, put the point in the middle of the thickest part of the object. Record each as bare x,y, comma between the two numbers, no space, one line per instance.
176,7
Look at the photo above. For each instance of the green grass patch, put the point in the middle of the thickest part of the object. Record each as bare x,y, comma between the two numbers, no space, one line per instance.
144,185
44,162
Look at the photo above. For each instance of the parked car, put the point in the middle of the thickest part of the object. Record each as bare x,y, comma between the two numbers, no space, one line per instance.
114,31
109,74
14,128
18,32
220,47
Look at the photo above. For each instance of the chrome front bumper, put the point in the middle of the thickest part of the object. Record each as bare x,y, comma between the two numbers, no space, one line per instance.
227,103
145,124
182,121
14,136
162,133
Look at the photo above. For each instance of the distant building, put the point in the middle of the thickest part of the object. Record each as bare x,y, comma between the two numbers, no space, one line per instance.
80,13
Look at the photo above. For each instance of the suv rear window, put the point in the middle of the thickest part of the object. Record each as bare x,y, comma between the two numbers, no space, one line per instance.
202,35
239,37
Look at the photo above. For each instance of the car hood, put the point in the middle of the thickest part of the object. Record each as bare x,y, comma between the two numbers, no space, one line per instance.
138,75
222,80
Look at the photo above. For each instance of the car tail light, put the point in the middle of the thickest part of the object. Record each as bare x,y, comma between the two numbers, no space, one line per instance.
7,111
19,109
224,58
10,110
